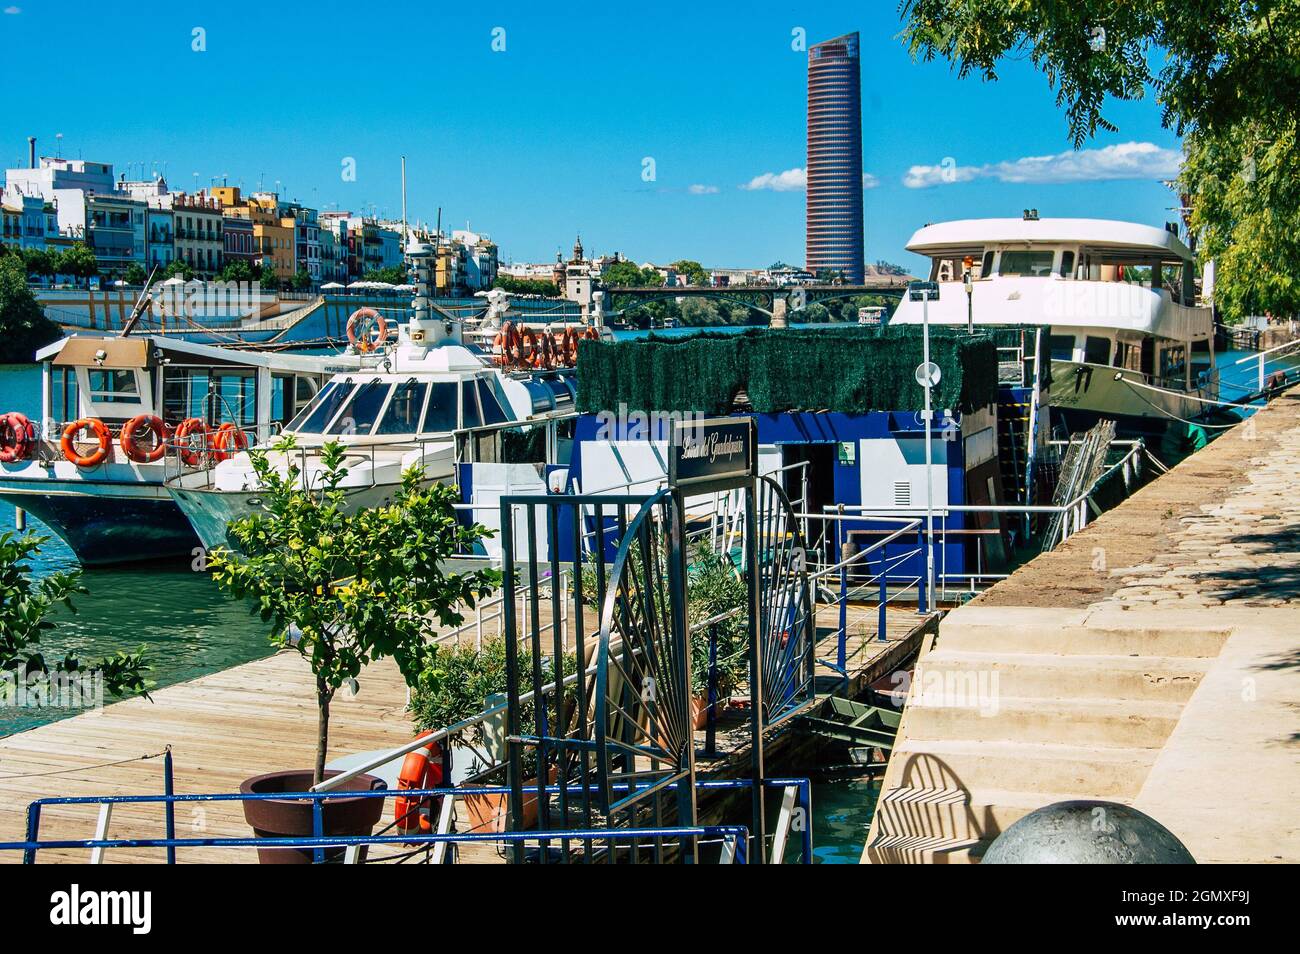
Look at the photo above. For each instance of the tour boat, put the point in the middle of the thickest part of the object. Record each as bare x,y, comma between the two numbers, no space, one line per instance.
430,400
1127,340
114,412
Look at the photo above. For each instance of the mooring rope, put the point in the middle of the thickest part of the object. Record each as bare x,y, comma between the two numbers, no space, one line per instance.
85,768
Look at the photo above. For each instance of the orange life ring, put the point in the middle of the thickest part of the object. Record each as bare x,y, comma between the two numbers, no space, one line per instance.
420,769
510,344
17,436
190,453
591,334
102,435
527,347
364,343
131,443
228,441
570,346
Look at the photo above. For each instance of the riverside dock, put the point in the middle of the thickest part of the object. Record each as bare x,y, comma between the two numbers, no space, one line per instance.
1153,660
260,716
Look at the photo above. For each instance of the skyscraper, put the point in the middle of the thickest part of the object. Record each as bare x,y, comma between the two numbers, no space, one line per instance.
835,233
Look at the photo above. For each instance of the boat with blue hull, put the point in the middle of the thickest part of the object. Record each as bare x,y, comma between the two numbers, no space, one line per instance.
92,466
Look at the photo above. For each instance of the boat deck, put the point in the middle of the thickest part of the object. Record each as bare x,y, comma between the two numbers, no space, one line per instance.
255,718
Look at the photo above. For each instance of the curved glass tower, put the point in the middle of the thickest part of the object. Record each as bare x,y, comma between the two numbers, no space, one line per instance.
835,231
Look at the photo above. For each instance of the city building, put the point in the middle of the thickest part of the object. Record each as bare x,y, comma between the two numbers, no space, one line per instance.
307,244
200,240
66,183
834,191
239,244
115,231
481,265
273,241
29,221
160,234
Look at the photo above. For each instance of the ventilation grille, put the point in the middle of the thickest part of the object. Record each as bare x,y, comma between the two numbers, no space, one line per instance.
902,493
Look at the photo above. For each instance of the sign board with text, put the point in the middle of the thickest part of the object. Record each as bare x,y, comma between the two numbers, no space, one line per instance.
711,450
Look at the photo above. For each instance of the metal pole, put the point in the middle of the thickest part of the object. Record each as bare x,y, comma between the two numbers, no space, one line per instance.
33,831
169,789
929,472
757,769
711,726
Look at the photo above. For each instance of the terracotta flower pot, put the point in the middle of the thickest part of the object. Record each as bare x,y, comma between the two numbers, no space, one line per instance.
488,812
292,817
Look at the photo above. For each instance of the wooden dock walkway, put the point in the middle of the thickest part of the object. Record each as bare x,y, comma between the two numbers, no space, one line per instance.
258,717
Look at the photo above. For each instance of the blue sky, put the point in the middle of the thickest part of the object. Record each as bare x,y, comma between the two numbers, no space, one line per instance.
549,136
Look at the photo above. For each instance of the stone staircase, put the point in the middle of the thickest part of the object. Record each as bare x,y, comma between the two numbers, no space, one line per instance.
1017,708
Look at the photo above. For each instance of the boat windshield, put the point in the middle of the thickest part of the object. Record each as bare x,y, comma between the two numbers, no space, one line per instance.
1019,262
403,413
358,417
313,418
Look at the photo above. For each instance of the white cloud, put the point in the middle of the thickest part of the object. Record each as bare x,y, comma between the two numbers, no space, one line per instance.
13,11
698,189
794,180
1130,160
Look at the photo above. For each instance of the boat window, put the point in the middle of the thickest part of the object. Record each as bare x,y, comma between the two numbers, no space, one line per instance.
1173,366
1062,347
63,394
235,397
440,417
1067,265
403,414
1020,262
470,413
492,413
986,268
359,415
1096,350
322,410
113,386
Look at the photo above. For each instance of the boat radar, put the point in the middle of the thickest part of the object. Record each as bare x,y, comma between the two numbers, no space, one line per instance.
423,332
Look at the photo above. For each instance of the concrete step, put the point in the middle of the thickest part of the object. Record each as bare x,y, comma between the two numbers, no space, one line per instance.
1108,723
1089,771
923,850
1050,675
935,811
957,634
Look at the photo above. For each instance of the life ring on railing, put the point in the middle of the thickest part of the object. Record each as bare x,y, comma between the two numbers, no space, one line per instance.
17,436
545,356
591,334
228,441
191,453
130,438
363,342
510,344
420,769
102,435
527,347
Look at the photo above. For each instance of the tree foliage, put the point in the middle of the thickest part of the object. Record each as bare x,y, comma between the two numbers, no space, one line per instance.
1227,77
695,272
629,274
24,326
25,608
346,588
526,286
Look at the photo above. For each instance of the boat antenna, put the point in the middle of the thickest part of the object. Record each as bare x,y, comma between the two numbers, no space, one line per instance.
405,237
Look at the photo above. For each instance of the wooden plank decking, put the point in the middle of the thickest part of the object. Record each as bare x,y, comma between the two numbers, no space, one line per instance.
227,726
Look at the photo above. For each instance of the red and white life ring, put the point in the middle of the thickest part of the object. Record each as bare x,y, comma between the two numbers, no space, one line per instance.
102,436
133,434
228,441
364,342
421,769
191,450
17,437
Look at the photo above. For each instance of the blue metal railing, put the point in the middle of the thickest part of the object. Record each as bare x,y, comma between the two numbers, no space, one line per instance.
735,836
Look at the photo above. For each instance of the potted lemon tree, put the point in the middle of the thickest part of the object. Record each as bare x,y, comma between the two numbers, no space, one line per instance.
343,588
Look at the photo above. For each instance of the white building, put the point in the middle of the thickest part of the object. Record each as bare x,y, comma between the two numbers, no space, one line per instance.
67,183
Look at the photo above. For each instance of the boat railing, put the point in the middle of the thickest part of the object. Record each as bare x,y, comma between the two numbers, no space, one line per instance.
1263,358
735,842
1075,515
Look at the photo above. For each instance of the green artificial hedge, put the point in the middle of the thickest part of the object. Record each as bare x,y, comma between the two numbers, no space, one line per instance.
851,369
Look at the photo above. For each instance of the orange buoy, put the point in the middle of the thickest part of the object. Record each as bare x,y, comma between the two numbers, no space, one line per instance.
228,441
17,437
102,436
191,451
363,342
527,347
133,434
420,769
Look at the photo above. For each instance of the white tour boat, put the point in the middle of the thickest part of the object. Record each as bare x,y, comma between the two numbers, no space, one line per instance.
1127,340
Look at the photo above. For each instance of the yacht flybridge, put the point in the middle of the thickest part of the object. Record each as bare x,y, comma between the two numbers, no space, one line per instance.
1117,301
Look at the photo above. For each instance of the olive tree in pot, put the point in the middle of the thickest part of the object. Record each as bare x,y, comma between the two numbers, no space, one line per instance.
344,588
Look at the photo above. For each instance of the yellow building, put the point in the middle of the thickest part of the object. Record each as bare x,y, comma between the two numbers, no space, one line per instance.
273,235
